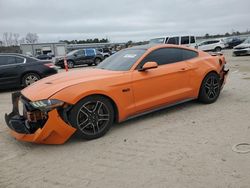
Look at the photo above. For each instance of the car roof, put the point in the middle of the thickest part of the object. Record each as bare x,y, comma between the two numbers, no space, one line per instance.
143,47
16,54
168,36
155,46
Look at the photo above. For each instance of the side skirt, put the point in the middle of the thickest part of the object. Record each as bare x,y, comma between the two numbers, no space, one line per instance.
159,108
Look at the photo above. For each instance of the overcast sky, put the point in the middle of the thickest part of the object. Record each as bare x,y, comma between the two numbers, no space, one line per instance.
122,20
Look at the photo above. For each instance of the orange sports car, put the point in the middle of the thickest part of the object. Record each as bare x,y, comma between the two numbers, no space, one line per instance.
131,82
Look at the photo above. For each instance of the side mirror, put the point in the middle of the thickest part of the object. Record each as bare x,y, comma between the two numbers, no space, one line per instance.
149,65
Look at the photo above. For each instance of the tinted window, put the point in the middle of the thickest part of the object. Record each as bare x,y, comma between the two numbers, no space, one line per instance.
169,55
80,52
19,60
213,41
185,40
157,41
7,60
90,52
203,43
122,60
192,40
106,50
188,54
3,60
100,49
173,40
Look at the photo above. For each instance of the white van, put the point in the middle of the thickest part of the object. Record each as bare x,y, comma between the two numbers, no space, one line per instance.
178,40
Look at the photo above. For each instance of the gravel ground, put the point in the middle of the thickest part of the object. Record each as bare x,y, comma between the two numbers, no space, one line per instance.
189,145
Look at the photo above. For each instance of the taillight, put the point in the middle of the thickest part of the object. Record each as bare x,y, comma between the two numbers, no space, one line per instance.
50,65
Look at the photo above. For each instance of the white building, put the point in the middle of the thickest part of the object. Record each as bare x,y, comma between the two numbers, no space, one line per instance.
57,49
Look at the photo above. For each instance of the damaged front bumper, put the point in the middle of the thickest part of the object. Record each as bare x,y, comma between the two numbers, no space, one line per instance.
36,126
223,75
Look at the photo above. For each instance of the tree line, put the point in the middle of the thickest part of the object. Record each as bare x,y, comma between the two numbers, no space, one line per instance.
96,40
14,39
227,34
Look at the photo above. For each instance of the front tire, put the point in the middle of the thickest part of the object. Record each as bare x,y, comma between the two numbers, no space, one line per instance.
210,88
29,79
70,64
92,117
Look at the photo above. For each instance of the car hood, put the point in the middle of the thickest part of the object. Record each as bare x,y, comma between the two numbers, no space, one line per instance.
243,45
45,88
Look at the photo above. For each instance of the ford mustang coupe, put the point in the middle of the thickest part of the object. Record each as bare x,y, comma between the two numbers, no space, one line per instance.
131,82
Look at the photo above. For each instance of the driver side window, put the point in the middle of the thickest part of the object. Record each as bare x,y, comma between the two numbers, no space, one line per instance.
80,53
165,56
162,56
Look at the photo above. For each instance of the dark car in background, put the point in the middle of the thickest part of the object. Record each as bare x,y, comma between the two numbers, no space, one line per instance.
19,70
81,57
233,41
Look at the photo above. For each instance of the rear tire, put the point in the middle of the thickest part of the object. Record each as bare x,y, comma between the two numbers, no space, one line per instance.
218,49
92,117
30,78
97,61
210,88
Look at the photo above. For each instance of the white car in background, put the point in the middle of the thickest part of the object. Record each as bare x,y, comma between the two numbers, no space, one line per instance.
215,45
186,40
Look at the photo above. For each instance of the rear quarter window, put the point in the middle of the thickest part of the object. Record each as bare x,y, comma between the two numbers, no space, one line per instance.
189,54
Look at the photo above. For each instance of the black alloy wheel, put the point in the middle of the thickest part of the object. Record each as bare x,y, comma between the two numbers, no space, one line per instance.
92,116
210,88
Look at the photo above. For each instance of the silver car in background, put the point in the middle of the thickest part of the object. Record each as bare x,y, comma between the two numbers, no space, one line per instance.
243,48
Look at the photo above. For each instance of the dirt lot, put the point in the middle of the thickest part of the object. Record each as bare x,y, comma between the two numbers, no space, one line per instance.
189,145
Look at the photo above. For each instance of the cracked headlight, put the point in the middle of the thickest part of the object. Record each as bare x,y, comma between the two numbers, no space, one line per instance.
46,105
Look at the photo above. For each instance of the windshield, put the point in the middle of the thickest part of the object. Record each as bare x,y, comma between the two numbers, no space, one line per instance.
247,41
122,60
72,52
157,41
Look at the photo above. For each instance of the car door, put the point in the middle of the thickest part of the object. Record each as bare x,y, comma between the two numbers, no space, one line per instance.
90,55
80,57
10,70
204,46
168,83
211,45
